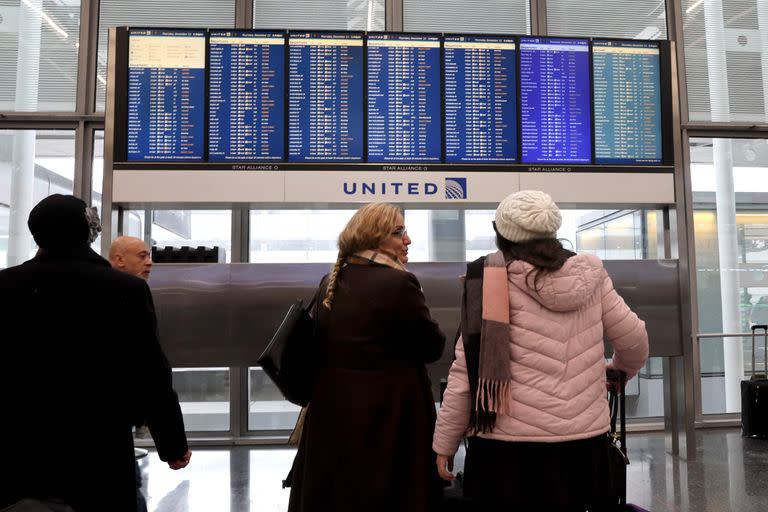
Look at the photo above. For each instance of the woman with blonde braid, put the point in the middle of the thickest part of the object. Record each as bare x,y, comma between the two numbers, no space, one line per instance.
367,432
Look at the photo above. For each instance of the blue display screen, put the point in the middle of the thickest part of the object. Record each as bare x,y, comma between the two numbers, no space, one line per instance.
246,96
554,100
480,99
404,117
325,97
627,99
166,95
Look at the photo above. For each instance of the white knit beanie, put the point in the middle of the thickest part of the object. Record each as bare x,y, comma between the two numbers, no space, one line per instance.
527,215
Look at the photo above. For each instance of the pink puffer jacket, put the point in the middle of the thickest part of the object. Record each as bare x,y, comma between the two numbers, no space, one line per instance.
557,358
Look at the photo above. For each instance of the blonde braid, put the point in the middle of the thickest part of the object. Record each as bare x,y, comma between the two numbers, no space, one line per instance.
331,290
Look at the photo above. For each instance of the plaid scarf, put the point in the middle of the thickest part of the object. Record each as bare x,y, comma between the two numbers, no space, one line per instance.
377,257
485,332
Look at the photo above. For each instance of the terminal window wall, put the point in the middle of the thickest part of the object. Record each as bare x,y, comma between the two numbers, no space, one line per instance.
628,19
38,55
97,177
204,398
193,228
33,165
153,13
178,228
310,236
730,196
480,16
724,62
314,15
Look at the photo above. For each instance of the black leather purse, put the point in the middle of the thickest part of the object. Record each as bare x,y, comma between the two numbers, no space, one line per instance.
289,359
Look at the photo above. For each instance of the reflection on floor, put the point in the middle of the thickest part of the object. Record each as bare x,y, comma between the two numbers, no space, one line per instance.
730,473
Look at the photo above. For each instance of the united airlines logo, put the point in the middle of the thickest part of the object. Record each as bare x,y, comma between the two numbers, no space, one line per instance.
455,188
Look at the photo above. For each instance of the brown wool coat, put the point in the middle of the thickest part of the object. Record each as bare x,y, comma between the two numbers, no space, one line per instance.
367,433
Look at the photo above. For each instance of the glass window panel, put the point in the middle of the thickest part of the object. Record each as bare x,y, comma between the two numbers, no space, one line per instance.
420,232
33,165
193,228
133,223
267,409
326,15
305,236
38,54
483,16
730,202
151,13
608,234
97,177
724,59
630,19
204,398
296,236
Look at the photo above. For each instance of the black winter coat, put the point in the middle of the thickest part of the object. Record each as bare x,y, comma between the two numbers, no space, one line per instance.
366,444
81,364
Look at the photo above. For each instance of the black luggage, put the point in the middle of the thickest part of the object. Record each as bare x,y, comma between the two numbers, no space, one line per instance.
617,444
754,393
617,448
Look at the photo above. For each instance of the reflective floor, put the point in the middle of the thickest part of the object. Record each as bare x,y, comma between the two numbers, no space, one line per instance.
730,474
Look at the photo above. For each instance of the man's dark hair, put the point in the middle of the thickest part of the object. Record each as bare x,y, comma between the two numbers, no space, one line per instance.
58,222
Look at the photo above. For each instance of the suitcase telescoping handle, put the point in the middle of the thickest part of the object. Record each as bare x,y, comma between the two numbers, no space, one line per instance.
764,328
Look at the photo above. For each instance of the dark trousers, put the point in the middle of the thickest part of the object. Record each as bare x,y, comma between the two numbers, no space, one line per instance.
570,476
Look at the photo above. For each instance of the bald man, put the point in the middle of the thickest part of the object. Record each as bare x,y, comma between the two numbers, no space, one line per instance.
131,255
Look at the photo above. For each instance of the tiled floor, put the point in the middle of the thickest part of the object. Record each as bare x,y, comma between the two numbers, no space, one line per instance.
730,474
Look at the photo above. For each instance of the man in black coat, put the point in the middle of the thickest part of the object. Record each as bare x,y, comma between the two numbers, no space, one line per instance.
81,364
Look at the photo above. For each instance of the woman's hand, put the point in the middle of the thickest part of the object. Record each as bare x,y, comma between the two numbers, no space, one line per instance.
445,466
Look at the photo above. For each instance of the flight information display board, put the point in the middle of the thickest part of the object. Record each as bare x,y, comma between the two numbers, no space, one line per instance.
480,99
246,96
325,97
555,121
166,95
293,100
404,113
627,99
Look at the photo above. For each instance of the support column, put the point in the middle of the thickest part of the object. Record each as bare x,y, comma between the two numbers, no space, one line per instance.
23,154
725,198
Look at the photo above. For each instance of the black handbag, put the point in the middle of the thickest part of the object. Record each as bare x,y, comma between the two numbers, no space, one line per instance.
289,359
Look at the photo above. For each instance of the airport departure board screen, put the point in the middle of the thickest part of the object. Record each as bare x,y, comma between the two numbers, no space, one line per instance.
404,112
246,96
555,121
325,97
298,99
166,95
480,99
627,99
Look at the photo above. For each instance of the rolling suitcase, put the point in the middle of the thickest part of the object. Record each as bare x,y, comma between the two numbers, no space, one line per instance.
754,393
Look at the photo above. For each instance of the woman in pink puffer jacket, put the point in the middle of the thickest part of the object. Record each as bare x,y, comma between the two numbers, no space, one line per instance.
528,384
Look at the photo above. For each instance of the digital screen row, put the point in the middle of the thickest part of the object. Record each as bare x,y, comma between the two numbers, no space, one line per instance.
354,97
